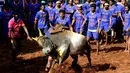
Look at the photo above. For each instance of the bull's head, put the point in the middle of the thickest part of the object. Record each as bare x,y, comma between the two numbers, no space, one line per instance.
46,44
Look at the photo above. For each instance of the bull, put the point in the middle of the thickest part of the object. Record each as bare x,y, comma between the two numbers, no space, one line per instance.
62,44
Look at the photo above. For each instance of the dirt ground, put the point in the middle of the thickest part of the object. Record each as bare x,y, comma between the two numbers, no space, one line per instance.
32,60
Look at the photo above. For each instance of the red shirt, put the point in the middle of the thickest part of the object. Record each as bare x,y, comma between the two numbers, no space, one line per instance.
15,27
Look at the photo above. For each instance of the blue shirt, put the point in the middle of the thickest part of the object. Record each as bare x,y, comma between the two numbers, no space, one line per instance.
69,10
93,20
6,17
121,8
64,22
56,11
113,10
51,13
105,16
34,8
63,5
126,17
42,18
86,7
18,7
78,19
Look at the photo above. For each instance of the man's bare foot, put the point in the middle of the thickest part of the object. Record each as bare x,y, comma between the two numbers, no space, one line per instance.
125,50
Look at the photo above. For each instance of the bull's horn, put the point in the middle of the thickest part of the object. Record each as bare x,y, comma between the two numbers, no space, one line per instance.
36,38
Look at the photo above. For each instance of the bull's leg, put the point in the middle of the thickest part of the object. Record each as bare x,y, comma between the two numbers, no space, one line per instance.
88,53
52,67
49,63
75,59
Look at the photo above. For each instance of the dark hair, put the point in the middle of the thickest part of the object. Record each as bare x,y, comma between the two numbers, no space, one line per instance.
127,6
93,0
93,5
6,7
62,11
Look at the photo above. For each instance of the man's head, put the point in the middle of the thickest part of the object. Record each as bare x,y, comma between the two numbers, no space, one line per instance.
16,1
106,6
123,2
16,16
6,8
103,1
58,3
88,1
111,2
79,7
62,13
70,2
42,7
50,3
76,1
93,8
93,2
127,8
33,1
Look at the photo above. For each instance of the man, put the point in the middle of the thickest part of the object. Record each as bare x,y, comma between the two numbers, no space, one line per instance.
78,21
63,20
86,6
16,5
97,8
93,19
126,27
7,15
14,34
69,10
76,2
57,9
51,12
114,10
106,20
121,10
42,18
34,8
63,4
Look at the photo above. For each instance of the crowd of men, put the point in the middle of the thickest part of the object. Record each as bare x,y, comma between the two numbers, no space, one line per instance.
93,19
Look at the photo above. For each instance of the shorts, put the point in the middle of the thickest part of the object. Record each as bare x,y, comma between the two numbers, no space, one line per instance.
126,33
93,34
104,26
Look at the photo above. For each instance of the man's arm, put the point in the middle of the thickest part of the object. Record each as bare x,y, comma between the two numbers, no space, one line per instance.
81,28
25,29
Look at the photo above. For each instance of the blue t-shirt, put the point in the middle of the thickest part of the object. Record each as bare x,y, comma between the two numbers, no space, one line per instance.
93,20
56,11
126,17
34,8
120,8
86,7
64,22
63,5
6,17
69,9
51,13
42,18
113,10
18,7
78,19
105,15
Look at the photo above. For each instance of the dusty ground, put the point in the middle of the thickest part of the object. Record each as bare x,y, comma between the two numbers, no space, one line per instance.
32,60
